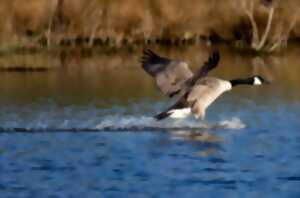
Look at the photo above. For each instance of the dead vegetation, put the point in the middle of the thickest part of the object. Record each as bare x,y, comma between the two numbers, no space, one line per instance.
272,31
246,23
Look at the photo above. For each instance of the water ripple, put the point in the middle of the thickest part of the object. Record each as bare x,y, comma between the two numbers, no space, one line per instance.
290,178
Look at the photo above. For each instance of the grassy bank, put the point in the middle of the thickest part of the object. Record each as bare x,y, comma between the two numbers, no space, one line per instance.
34,23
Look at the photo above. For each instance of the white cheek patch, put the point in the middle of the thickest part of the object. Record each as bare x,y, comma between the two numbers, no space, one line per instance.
257,81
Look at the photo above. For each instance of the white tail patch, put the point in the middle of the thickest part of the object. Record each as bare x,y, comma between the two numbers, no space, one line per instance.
257,81
180,113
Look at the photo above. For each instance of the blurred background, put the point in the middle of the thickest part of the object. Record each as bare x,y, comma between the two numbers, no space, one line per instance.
256,24
83,41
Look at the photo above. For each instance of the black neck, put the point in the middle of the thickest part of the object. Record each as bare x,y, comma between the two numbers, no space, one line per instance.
246,81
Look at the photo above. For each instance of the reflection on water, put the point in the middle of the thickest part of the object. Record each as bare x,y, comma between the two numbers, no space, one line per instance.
106,143
106,76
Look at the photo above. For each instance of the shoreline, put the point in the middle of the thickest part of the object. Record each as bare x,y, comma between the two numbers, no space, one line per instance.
43,59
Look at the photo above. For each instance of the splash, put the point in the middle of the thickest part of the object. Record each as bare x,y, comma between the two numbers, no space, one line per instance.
233,123
89,118
143,123
117,123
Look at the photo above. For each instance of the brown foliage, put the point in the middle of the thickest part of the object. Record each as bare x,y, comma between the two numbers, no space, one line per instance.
137,19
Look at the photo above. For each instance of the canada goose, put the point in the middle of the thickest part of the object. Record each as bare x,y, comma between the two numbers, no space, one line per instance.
195,92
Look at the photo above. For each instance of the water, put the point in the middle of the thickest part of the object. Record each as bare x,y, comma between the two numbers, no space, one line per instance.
87,131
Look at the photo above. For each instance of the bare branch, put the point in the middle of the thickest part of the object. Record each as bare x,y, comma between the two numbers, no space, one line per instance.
249,10
267,30
49,30
294,22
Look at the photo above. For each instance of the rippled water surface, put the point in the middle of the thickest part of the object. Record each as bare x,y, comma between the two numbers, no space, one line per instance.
86,130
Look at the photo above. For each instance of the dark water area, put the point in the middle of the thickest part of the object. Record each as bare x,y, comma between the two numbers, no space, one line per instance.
85,129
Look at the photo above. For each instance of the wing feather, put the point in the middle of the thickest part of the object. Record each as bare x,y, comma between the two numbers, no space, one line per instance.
173,77
209,65
170,75
152,63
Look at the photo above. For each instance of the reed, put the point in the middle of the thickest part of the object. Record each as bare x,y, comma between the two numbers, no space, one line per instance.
245,23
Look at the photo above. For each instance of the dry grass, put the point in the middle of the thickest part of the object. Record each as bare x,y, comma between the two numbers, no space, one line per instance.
25,22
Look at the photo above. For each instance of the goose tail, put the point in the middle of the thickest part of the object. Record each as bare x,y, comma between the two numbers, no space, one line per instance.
162,115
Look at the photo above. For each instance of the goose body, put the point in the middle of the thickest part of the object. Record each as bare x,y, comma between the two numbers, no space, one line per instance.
205,92
195,92
199,97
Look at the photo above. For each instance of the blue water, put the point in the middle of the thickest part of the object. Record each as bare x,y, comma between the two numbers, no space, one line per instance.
257,158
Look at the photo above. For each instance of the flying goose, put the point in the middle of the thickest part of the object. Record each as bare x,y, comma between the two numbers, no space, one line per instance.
195,92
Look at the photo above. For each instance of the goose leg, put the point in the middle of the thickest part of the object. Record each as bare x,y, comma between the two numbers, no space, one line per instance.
200,115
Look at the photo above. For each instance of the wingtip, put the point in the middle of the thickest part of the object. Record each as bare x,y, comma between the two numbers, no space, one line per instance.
210,64
146,55
150,57
151,62
148,52
145,51
215,56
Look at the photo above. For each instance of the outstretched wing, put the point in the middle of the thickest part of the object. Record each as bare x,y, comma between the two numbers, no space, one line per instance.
209,65
170,75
